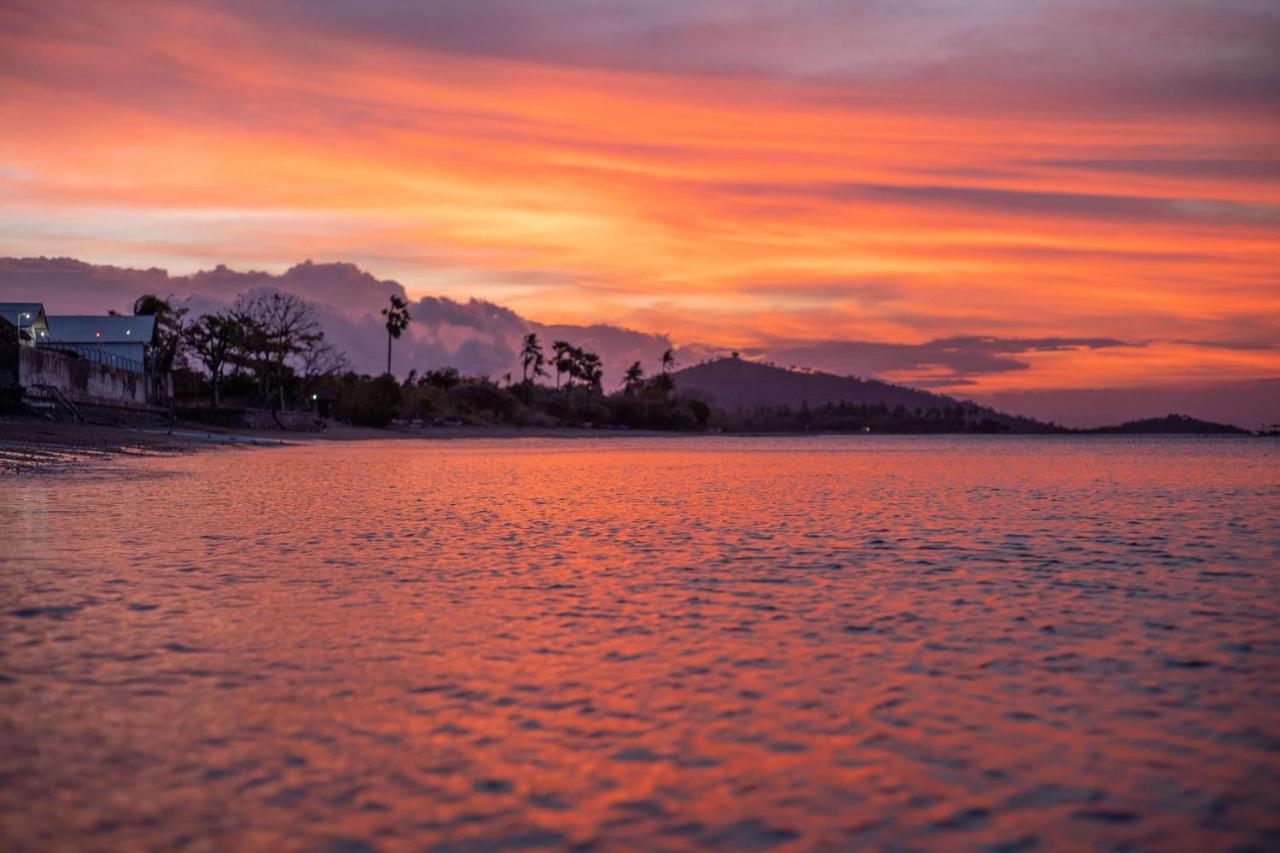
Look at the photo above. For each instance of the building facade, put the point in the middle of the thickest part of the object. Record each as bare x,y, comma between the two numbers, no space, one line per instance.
87,360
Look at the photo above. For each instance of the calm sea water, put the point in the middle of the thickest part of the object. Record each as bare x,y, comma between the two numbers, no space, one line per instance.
826,643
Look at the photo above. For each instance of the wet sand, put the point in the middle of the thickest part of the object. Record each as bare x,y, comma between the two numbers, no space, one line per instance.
33,444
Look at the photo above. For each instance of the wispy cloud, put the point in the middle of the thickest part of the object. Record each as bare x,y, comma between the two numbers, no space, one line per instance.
733,174
951,361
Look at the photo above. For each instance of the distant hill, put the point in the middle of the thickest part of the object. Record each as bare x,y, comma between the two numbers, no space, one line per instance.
1172,425
737,386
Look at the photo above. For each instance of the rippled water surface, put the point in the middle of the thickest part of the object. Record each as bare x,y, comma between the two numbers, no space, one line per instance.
827,643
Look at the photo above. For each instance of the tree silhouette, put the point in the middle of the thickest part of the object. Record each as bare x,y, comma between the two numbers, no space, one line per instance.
213,338
273,327
573,366
633,379
169,334
531,358
668,360
562,359
320,360
590,369
397,321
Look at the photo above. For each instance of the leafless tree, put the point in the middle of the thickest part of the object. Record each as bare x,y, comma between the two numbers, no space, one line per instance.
275,328
213,338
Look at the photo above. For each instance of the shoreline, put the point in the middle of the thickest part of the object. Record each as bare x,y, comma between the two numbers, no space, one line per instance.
29,444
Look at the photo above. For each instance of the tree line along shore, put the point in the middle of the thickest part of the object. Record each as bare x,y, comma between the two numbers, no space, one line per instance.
268,350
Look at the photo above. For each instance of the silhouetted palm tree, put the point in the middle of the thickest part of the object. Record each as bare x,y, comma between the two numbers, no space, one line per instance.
397,321
590,368
531,358
668,360
562,358
633,379
573,366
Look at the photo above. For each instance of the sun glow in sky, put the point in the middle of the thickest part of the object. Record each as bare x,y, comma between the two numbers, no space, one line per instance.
1103,177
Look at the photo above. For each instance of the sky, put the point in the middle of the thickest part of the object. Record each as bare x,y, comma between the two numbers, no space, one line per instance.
1051,195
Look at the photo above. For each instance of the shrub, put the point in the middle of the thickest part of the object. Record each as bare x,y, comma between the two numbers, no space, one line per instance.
483,397
372,403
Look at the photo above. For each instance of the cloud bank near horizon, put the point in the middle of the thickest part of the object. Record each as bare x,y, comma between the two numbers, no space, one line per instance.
945,177
483,338
477,337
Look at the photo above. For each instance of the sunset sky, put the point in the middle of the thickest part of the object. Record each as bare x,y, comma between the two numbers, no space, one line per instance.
1094,185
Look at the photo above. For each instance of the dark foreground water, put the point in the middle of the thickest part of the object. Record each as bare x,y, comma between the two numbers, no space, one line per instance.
916,643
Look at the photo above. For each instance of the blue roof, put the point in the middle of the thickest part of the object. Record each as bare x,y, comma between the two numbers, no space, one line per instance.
82,329
31,313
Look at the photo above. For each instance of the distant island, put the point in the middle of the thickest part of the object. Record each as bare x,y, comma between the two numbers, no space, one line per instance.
1170,425
757,397
752,396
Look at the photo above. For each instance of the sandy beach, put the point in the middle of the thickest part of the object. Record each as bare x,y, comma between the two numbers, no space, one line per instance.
30,444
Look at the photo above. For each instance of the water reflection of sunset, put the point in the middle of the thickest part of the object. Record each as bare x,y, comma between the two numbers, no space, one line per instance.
737,643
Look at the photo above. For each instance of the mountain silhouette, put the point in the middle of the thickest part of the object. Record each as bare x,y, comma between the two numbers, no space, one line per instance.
737,385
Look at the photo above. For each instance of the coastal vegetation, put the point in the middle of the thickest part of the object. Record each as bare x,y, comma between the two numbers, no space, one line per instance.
955,417
443,396
397,320
268,350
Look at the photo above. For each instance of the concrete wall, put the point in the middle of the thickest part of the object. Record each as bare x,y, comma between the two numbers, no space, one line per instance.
82,381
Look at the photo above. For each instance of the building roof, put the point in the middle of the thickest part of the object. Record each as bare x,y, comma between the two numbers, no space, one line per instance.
83,329
28,317
31,313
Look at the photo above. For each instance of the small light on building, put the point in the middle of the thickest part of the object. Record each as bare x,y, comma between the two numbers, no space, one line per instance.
315,396
128,331
97,334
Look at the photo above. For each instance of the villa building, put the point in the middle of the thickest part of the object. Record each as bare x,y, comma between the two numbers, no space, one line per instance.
79,360
121,341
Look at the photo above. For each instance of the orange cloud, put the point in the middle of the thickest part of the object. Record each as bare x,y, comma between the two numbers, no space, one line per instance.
730,209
